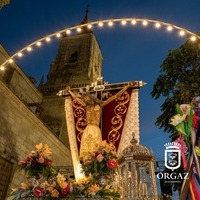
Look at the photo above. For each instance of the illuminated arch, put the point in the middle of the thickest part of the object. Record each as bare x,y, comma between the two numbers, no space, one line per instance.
102,23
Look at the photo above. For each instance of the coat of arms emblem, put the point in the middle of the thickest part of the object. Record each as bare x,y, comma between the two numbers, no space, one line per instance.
172,156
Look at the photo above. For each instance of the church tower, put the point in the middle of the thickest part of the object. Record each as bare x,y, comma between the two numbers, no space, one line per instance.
78,63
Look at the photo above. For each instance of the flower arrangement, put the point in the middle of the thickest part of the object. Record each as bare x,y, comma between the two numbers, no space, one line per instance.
38,162
101,162
59,188
54,188
45,182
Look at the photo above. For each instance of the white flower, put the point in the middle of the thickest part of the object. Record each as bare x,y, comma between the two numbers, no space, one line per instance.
177,119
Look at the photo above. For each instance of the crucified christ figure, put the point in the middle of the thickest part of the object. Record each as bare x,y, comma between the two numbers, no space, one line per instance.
92,133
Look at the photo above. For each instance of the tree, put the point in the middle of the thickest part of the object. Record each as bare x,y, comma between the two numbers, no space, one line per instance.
179,80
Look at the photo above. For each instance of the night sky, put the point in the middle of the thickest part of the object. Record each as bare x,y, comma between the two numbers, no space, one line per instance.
130,52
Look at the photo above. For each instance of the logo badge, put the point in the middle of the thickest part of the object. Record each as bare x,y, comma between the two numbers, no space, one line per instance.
172,155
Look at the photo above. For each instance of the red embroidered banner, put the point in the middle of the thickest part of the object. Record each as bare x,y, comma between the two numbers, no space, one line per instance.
113,116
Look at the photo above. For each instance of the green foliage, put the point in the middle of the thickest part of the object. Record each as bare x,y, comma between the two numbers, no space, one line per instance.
109,193
178,82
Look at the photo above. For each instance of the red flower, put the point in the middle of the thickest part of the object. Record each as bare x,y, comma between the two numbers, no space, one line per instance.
22,162
88,162
47,162
196,120
65,191
32,163
112,164
38,192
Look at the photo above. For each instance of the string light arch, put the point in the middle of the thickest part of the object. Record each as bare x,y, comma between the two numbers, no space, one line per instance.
101,23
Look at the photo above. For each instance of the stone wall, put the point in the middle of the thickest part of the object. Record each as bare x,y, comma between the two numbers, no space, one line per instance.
21,130
17,80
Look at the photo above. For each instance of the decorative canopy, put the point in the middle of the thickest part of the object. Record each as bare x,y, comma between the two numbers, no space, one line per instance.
135,149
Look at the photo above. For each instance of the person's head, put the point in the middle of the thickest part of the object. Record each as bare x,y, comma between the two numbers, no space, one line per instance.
89,99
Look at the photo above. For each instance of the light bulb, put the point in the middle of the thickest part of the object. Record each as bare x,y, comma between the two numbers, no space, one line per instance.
68,32
193,38
157,25
182,33
133,22
79,29
145,23
110,23
89,26
48,39
10,61
58,35
38,44
123,22
29,49
2,68
169,28
19,54
100,24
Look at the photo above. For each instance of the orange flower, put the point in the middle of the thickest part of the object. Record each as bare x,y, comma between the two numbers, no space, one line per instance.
55,193
24,186
47,151
50,188
40,160
100,157
39,146
84,180
93,189
63,184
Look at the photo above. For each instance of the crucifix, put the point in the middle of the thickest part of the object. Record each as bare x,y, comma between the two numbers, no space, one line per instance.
92,101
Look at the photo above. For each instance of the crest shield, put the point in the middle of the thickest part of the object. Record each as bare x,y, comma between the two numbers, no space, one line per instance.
172,159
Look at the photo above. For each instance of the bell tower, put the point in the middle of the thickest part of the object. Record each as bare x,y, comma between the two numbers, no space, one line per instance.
78,63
